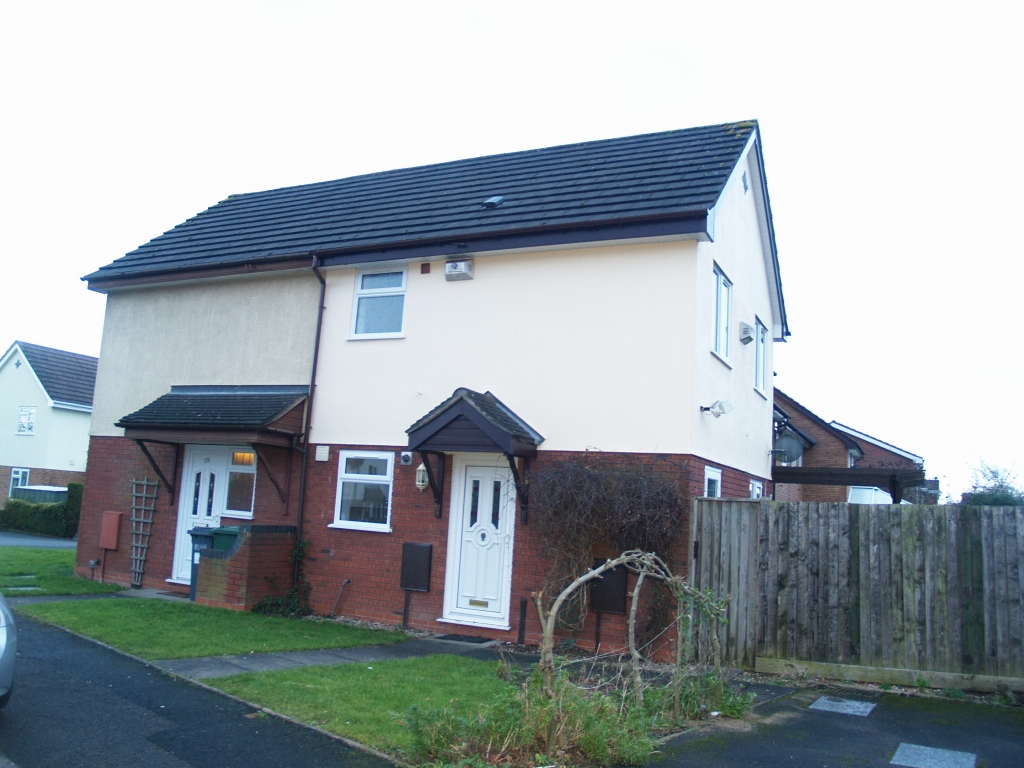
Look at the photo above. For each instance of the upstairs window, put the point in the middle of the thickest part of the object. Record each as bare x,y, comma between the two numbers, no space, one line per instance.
760,357
723,301
379,305
26,420
363,499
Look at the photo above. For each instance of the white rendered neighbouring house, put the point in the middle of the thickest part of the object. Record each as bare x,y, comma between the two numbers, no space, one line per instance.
45,407
477,317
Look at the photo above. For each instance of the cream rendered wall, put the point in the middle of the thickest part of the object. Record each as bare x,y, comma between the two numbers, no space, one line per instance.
742,438
61,436
592,347
18,387
257,329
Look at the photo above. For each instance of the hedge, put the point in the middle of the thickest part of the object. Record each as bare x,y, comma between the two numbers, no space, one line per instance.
48,519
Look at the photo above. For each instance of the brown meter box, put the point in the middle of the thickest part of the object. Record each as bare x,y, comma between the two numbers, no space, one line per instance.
110,531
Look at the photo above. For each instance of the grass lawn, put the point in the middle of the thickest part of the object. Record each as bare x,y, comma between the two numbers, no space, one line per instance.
359,701
161,629
49,571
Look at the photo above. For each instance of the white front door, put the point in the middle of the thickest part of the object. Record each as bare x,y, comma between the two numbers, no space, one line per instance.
479,570
200,501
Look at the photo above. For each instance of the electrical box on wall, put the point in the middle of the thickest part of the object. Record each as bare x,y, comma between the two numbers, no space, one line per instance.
405,458
746,333
458,270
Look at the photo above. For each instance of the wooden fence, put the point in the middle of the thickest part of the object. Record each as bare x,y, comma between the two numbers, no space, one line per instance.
935,588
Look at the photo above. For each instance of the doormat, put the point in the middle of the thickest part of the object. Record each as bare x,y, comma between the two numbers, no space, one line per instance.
465,638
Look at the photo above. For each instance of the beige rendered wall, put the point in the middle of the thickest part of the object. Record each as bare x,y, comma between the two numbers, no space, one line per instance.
741,438
257,329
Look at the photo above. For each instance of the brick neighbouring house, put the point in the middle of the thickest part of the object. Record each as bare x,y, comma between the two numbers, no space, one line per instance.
835,446
45,398
607,294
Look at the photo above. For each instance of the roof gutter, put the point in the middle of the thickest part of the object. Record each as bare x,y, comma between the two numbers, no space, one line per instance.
309,417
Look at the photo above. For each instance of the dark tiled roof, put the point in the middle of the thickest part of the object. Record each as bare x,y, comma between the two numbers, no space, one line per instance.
573,186
226,407
67,377
492,409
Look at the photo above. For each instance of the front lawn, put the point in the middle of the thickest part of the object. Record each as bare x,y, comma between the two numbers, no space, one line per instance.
361,701
41,571
162,629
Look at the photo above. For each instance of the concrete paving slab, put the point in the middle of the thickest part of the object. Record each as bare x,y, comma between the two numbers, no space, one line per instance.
200,669
315,658
916,756
154,594
261,662
843,706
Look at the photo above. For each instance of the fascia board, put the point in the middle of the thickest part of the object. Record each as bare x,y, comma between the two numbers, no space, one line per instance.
72,406
880,443
780,324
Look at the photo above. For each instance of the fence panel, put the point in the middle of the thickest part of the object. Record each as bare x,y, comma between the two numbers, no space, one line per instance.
938,588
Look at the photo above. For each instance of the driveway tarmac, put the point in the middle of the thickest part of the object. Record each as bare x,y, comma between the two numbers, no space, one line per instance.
77,704
844,729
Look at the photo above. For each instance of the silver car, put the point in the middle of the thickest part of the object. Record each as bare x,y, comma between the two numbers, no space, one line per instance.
8,650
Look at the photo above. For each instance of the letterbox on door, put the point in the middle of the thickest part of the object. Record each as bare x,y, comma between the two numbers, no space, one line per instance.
110,530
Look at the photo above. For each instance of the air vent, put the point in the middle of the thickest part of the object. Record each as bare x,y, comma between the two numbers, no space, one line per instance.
493,202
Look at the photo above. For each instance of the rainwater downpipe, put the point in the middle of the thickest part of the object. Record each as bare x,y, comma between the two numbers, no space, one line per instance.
309,416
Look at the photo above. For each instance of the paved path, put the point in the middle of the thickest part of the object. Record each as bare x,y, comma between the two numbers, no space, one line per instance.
17,539
78,705
826,728
223,666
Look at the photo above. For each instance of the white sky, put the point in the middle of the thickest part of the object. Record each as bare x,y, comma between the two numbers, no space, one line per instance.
888,131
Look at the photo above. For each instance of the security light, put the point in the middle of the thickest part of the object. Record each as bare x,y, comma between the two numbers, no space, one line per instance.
718,408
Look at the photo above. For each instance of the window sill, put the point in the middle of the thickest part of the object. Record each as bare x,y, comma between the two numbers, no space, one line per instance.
762,394
369,527
375,336
721,359
237,515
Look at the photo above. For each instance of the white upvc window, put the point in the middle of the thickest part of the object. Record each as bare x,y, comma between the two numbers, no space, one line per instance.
26,420
760,356
713,482
756,489
723,302
19,477
378,311
241,482
363,499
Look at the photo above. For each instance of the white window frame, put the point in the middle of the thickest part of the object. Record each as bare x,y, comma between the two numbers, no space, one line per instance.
756,489
343,476
723,314
713,473
360,292
29,412
22,474
240,514
760,356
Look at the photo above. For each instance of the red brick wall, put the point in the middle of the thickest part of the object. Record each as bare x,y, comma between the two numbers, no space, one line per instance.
829,451
37,476
259,566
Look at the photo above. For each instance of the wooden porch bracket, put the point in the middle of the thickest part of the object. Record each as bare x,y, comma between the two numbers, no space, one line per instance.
522,492
266,465
436,485
156,467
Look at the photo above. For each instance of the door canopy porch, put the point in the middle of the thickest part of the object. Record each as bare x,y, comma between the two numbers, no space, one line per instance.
893,480
471,422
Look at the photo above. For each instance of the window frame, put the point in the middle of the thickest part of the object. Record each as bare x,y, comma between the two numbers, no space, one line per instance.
756,485
721,345
361,292
760,356
23,476
713,473
344,476
30,411
242,469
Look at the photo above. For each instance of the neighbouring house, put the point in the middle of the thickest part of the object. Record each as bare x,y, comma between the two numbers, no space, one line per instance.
842,464
376,363
46,402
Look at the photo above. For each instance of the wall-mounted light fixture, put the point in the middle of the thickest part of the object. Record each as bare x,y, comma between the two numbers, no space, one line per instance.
718,408
421,477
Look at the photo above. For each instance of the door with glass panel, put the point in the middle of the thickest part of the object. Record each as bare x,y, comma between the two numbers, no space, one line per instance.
216,480
484,541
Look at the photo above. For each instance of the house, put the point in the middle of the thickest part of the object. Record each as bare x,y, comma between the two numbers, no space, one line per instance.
842,464
376,363
46,401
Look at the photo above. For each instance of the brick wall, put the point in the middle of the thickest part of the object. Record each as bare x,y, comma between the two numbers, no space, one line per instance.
257,566
38,476
829,451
